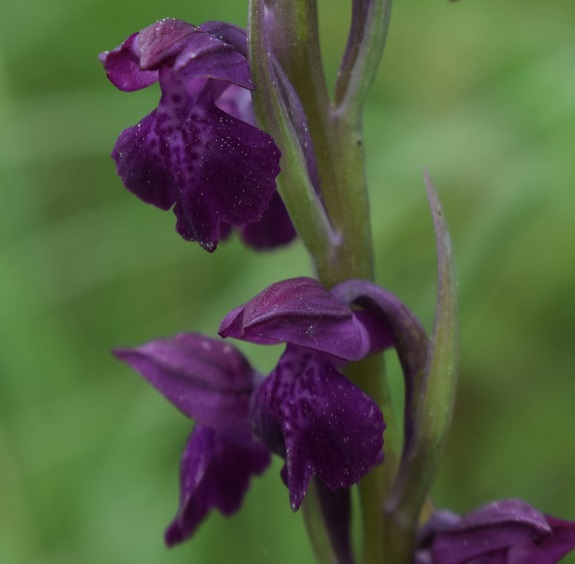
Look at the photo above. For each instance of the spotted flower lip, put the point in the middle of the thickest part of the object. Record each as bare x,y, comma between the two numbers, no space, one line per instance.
214,168
306,410
508,531
318,421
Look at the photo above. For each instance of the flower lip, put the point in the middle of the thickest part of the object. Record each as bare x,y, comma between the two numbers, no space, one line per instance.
322,424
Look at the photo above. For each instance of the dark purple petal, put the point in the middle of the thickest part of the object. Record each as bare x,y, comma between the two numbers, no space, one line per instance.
491,528
322,424
548,550
232,34
225,170
503,532
503,513
143,169
123,67
237,102
274,229
215,472
191,52
158,44
215,168
203,55
299,311
206,379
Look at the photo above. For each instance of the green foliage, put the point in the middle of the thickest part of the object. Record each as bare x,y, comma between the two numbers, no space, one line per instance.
480,92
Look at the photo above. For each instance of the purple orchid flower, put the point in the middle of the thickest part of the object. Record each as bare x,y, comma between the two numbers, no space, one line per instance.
305,411
210,381
199,151
323,332
502,532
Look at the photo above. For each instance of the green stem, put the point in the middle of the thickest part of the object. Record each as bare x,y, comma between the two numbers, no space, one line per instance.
341,247
347,201
361,63
305,209
336,137
338,146
369,374
316,528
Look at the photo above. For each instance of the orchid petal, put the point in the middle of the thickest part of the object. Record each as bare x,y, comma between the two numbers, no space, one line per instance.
508,531
123,68
215,169
206,379
215,472
299,311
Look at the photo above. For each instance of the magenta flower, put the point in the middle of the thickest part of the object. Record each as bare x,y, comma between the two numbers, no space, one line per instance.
211,382
323,333
199,151
502,532
305,411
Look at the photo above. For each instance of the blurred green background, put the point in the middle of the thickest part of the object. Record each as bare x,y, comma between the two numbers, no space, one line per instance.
482,92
